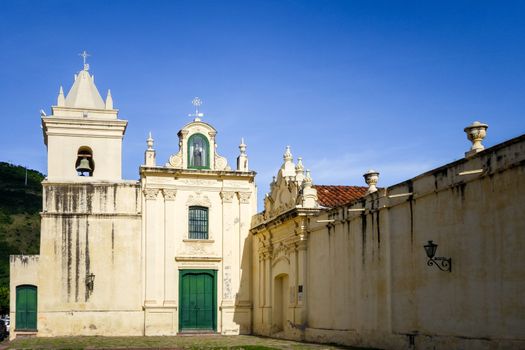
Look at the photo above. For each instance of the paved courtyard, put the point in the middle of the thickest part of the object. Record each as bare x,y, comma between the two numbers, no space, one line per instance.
215,342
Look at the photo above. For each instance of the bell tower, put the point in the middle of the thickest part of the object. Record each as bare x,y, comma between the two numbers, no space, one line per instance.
83,134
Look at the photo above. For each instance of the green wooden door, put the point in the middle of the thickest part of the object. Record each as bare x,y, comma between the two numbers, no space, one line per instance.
26,305
198,300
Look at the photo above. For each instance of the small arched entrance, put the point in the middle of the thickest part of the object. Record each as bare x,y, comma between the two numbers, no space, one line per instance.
280,303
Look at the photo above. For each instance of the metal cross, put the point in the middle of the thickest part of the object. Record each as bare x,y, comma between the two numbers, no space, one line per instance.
85,55
197,102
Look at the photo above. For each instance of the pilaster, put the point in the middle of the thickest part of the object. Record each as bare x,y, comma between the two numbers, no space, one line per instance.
154,249
170,276
227,248
244,254
302,271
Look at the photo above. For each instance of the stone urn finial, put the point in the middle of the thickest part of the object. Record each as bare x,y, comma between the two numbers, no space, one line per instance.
476,132
371,178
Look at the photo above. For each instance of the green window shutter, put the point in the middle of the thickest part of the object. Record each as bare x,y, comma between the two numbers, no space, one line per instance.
26,307
198,223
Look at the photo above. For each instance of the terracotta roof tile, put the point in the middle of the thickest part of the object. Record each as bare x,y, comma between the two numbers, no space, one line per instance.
333,196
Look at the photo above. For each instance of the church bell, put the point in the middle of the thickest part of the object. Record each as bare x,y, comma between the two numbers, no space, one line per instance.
84,167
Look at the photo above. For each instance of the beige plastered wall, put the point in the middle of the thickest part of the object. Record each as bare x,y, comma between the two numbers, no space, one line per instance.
368,282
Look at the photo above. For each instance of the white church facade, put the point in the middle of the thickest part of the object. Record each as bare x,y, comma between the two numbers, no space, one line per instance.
183,249
158,256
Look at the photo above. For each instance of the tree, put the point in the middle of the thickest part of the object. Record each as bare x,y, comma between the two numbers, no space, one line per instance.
4,300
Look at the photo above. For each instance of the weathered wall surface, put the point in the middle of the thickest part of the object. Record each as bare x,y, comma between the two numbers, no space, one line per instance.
368,282
23,271
89,229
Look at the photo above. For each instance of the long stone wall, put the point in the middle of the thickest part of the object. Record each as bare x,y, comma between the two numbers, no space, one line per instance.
368,282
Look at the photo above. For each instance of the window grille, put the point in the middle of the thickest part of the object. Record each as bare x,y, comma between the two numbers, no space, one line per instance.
198,223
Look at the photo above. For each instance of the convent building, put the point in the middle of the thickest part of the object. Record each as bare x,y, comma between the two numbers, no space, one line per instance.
434,262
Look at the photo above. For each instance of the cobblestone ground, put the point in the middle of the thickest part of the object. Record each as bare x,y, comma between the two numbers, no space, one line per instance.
215,342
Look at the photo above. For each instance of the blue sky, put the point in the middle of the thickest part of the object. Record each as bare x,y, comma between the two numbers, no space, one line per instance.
350,85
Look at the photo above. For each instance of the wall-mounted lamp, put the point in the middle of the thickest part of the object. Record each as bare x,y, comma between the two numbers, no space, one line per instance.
90,282
444,264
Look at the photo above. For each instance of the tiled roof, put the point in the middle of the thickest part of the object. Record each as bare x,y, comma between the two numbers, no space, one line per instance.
333,196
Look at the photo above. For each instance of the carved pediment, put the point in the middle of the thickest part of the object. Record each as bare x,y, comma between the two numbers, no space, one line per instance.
291,189
209,151
283,196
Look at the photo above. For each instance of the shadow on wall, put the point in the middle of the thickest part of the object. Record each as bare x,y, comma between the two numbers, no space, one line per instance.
243,304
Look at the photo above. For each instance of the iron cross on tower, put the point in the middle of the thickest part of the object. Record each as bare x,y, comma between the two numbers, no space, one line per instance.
197,102
85,55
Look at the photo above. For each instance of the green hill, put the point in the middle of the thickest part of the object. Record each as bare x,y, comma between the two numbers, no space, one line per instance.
20,204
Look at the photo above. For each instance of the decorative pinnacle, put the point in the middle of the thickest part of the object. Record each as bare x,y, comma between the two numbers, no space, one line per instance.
149,141
307,182
85,55
61,100
242,146
197,102
287,156
299,167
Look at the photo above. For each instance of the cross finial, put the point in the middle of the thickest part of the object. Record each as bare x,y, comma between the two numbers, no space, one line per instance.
197,102
85,55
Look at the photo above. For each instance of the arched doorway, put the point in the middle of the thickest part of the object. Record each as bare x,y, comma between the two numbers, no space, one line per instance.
280,303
